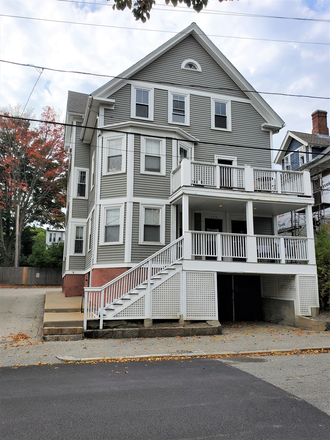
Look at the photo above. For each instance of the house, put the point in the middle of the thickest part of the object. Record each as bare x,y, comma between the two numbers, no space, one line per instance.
54,236
173,200
309,151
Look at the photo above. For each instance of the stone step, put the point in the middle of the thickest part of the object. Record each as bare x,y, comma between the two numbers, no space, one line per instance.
77,337
56,302
63,330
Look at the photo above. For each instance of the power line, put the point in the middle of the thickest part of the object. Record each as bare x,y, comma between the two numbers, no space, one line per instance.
166,83
170,138
208,11
157,30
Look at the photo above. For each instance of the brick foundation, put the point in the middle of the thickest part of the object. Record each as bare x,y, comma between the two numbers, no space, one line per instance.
73,285
103,276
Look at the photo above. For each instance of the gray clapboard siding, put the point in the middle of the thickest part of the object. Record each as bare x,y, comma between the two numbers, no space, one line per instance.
246,132
141,252
79,208
77,263
81,157
263,225
146,185
113,185
167,68
114,253
122,110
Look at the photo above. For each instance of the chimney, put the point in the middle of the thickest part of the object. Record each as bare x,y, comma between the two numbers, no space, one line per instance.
319,120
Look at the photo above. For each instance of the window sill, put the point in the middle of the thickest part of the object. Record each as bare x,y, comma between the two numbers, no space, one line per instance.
111,243
221,129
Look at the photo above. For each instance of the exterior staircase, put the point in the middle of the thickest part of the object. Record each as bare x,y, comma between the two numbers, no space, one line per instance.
108,301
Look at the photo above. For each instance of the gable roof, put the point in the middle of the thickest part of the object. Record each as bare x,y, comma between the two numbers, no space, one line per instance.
273,121
315,140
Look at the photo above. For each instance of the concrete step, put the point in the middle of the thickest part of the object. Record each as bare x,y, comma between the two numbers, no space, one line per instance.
56,302
72,319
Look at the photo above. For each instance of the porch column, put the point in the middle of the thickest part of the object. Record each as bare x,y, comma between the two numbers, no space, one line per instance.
310,235
185,227
275,230
251,243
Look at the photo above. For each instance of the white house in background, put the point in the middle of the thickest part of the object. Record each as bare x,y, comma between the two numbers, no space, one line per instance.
54,236
308,151
173,199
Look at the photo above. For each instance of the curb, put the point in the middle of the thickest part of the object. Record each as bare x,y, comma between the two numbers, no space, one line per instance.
190,354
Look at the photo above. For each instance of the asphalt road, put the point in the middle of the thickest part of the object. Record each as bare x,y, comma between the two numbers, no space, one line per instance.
178,399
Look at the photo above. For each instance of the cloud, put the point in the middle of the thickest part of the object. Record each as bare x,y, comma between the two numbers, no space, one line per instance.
118,41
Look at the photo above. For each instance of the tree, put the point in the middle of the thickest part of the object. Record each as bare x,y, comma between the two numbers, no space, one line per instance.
44,255
32,177
141,8
322,250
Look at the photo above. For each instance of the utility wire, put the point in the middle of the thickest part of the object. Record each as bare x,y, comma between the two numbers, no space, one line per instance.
206,11
170,138
40,73
165,83
157,30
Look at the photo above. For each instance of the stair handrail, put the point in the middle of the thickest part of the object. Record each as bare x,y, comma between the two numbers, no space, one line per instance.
108,291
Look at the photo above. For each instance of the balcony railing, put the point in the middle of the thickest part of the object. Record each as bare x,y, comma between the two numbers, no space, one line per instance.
191,173
257,248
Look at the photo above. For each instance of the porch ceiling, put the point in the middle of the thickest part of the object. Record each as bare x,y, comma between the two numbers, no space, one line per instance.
221,205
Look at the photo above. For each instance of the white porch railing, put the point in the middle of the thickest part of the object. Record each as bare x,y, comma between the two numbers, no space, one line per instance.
267,248
245,178
98,298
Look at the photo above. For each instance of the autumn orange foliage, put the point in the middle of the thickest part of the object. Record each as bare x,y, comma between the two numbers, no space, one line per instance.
33,169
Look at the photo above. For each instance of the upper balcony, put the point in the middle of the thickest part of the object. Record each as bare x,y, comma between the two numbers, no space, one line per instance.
238,178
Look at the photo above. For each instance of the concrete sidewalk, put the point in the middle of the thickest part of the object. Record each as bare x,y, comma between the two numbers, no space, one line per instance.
21,339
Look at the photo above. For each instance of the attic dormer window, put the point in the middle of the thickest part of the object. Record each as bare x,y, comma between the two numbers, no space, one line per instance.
191,65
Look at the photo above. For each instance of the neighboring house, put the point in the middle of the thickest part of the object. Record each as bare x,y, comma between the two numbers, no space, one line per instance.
309,151
173,201
55,236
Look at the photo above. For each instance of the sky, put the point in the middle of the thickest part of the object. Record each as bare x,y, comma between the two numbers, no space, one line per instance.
276,55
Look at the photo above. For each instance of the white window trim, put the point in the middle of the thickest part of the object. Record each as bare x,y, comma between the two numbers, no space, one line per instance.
134,88
93,171
303,152
287,158
221,156
170,107
89,232
162,224
105,155
162,156
73,235
121,225
185,62
228,113
76,182
188,148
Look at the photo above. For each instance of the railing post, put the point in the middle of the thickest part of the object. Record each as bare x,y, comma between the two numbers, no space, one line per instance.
282,250
187,245
217,176
186,166
101,309
251,249
219,247
307,187
278,183
248,178
148,294
85,310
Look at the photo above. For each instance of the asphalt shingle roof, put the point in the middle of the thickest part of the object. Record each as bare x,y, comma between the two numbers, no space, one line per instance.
313,139
77,102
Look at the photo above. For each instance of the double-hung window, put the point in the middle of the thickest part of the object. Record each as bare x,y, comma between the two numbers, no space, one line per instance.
79,240
114,155
178,108
152,224
111,225
221,115
142,103
81,183
287,163
153,156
